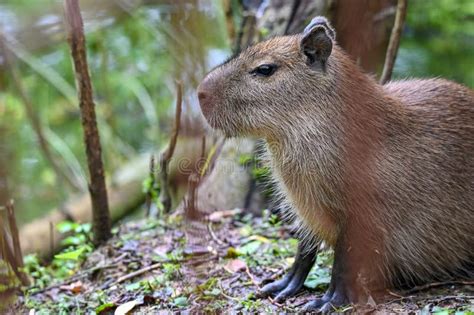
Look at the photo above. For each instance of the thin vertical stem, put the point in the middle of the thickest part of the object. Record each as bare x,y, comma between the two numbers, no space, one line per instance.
98,191
394,41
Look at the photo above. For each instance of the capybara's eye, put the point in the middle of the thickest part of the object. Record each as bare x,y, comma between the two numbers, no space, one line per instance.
265,70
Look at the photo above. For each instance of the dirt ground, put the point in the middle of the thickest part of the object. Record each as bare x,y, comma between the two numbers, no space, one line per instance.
213,266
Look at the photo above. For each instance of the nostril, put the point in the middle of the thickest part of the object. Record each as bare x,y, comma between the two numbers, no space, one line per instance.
205,100
202,96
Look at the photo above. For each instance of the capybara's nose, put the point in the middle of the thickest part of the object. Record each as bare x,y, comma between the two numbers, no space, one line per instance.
203,96
206,99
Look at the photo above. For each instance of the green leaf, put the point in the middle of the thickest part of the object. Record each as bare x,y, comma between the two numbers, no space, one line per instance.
181,301
74,240
317,278
313,283
67,226
250,247
84,228
104,307
71,255
133,286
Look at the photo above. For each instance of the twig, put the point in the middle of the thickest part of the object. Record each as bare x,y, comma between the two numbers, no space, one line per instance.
212,158
213,235
274,302
394,41
247,271
97,188
8,255
435,285
395,294
226,295
142,271
453,297
10,207
166,156
275,275
414,298
149,196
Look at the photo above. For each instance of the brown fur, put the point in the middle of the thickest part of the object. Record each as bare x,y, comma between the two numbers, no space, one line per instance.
385,173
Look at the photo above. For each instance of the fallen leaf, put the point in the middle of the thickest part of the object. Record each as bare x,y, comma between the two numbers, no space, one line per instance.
250,247
133,286
125,308
104,308
235,265
75,287
181,301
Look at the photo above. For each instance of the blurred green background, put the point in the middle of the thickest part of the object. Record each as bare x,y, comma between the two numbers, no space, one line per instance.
135,52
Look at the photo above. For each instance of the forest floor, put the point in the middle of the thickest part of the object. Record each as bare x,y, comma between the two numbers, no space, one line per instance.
215,266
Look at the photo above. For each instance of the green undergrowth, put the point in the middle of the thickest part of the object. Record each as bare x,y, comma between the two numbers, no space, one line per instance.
190,270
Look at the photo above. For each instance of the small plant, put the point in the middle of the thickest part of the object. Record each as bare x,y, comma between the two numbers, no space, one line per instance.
77,244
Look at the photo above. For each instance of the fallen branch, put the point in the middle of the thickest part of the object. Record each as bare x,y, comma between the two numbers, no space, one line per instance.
165,197
98,191
394,41
144,270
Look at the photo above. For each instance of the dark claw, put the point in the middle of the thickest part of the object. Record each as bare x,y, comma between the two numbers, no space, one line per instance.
328,303
319,302
314,305
293,281
291,289
276,286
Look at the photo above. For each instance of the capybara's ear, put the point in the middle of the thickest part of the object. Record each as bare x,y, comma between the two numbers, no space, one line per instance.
317,41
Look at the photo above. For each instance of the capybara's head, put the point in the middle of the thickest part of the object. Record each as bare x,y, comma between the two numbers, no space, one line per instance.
267,85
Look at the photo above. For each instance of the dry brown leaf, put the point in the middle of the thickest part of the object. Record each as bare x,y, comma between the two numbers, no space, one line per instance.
235,265
75,287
